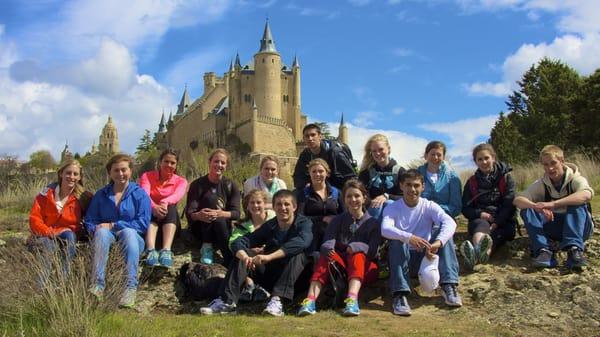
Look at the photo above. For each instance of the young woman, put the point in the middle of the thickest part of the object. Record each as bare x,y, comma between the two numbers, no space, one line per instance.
379,173
55,217
165,189
488,205
256,213
267,180
319,201
119,212
442,184
212,202
351,240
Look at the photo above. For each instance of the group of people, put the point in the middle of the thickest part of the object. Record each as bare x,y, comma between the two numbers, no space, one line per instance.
334,218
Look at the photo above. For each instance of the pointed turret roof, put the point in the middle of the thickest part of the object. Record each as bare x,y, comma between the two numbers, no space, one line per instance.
267,44
296,64
161,125
185,102
231,66
237,60
342,120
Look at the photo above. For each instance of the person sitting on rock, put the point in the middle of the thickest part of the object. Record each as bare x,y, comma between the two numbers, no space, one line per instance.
165,189
266,180
256,214
285,240
488,205
409,225
555,207
351,241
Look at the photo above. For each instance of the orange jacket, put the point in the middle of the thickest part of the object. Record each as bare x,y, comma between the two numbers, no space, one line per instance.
44,219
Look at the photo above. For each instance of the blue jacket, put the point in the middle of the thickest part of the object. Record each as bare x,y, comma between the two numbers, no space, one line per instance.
446,192
134,209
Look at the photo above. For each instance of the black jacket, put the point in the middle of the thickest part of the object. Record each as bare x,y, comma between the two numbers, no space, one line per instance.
488,198
297,239
341,168
366,238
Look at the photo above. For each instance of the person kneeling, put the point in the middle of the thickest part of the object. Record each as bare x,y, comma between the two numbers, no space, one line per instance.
351,240
285,240
411,224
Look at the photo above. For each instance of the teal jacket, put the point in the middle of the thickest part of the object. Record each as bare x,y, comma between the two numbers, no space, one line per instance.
446,192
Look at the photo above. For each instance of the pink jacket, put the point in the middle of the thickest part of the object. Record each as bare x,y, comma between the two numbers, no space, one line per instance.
169,192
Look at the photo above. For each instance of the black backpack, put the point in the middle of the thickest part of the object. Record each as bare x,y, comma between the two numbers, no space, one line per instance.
338,147
336,288
201,281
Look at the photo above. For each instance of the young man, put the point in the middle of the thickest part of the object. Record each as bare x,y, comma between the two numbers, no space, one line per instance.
555,207
339,163
275,254
418,228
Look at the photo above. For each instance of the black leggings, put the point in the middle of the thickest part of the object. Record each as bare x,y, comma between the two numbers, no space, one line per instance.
217,233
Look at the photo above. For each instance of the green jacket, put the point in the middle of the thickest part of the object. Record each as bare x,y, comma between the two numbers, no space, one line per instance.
247,227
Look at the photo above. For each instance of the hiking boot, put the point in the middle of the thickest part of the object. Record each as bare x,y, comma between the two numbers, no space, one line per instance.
575,258
545,259
128,298
400,306
207,254
484,245
351,308
98,292
165,258
468,253
451,296
217,306
260,294
246,294
274,307
152,258
307,308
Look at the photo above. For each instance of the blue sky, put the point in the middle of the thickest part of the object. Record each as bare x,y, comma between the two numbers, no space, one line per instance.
415,70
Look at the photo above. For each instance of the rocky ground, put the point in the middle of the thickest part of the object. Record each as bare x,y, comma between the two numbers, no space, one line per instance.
506,292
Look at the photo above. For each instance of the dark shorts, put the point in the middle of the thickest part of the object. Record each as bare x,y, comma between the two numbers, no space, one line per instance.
171,217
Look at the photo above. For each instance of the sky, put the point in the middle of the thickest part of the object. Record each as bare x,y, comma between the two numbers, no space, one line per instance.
415,70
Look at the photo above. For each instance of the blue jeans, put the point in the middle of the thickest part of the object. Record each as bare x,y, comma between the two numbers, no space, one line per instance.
132,246
377,213
571,228
45,247
405,262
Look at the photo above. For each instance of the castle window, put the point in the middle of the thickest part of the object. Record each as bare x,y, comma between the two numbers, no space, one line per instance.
263,60
272,60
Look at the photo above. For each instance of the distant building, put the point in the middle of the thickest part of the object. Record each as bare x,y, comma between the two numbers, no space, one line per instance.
109,140
66,154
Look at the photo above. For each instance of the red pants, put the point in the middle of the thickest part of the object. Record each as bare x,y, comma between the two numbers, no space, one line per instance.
357,266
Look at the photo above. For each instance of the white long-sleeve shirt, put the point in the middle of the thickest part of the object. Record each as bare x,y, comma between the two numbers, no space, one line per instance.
400,221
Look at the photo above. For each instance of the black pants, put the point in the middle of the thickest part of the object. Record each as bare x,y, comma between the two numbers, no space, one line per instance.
217,233
278,277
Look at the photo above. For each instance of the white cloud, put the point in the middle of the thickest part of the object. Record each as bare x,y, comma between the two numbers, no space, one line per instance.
365,96
398,110
312,11
366,118
488,88
403,52
405,148
464,135
8,52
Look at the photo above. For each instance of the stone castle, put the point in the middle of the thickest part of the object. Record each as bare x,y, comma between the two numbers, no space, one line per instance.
258,104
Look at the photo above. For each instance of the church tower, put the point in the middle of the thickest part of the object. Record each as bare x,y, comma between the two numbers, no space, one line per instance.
267,81
343,131
109,140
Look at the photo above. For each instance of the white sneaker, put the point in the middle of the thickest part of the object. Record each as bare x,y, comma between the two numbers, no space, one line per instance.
217,306
274,307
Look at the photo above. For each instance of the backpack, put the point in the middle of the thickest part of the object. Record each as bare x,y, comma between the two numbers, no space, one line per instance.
201,281
548,197
343,150
336,288
386,178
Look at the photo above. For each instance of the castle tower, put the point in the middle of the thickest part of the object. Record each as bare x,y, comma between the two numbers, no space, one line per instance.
161,135
184,104
66,154
296,99
343,131
267,81
109,139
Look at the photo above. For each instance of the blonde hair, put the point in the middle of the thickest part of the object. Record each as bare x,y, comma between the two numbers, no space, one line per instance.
221,151
246,200
368,160
319,161
552,150
266,159
79,189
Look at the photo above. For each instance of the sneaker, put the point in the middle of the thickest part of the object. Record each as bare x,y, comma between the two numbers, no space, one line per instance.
260,294
307,308
246,294
217,306
274,307
207,254
351,308
152,258
451,296
484,245
545,259
468,253
128,298
575,258
165,258
400,306
98,292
